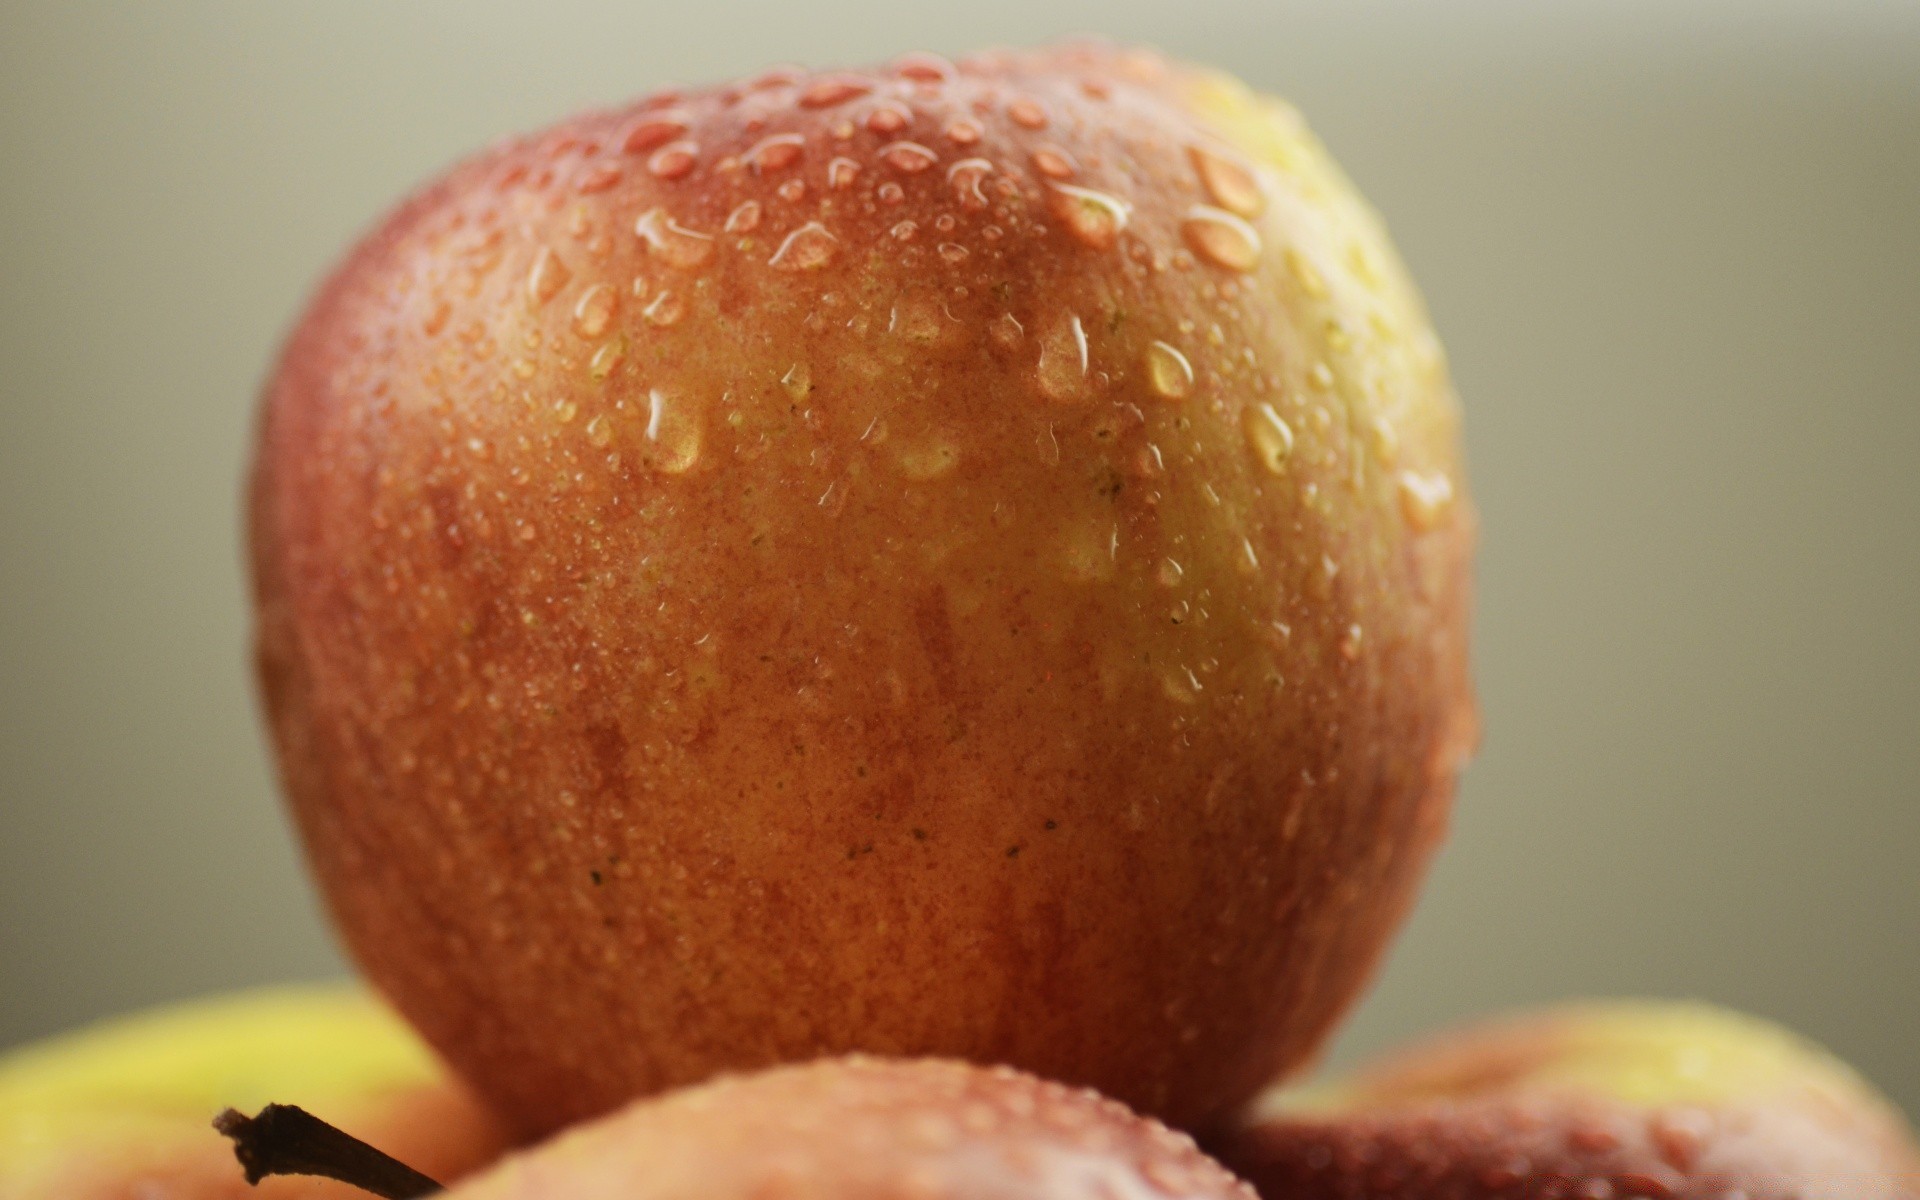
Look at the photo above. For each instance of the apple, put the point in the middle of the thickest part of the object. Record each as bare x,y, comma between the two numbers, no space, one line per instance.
865,1129
123,1109
1659,1100
959,560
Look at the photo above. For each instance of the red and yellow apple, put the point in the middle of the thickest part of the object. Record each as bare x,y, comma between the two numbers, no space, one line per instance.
959,560
1590,1102
123,1110
865,1129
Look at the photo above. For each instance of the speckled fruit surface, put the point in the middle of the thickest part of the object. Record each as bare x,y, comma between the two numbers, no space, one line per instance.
1589,1102
123,1111
959,560
866,1129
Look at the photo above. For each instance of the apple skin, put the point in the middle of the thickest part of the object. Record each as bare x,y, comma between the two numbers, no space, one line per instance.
1624,1099
865,1129
765,573
124,1109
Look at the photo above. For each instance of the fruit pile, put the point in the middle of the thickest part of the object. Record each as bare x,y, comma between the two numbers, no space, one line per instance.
773,595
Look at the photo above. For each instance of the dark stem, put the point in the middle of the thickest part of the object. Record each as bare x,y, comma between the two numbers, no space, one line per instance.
283,1140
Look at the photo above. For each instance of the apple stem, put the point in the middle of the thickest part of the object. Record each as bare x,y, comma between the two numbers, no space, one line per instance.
284,1140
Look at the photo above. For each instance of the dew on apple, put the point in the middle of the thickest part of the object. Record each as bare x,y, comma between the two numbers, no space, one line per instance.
675,160
1027,114
909,158
1305,274
792,190
1169,373
832,90
1054,163
776,152
606,359
547,276
1230,182
664,309
888,117
674,432
807,248
929,461
1094,218
1424,497
963,132
966,177
952,252
594,310
744,218
841,172
1269,435
1062,371
1221,238
673,243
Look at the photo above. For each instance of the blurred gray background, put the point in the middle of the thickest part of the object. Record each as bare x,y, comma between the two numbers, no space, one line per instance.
1673,247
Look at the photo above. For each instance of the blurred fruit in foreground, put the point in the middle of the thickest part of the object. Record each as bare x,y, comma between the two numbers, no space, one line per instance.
944,560
866,1129
1666,1101
123,1109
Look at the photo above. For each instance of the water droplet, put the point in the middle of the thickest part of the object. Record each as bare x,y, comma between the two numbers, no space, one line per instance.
792,190
673,243
1321,376
1249,562
1169,573
664,310
891,193
654,131
1168,372
904,231
798,381
922,67
1310,280
841,172
963,132
1027,114
594,312
1049,446
600,430
1090,554
1180,686
1350,642
1095,218
952,252
888,118
673,434
564,411
807,248
929,461
547,276
745,218
1229,180
833,89
1006,331
1269,435
1384,439
967,176
776,153
1221,238
909,158
597,177
1424,498
606,359
675,160
1054,163
1062,373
